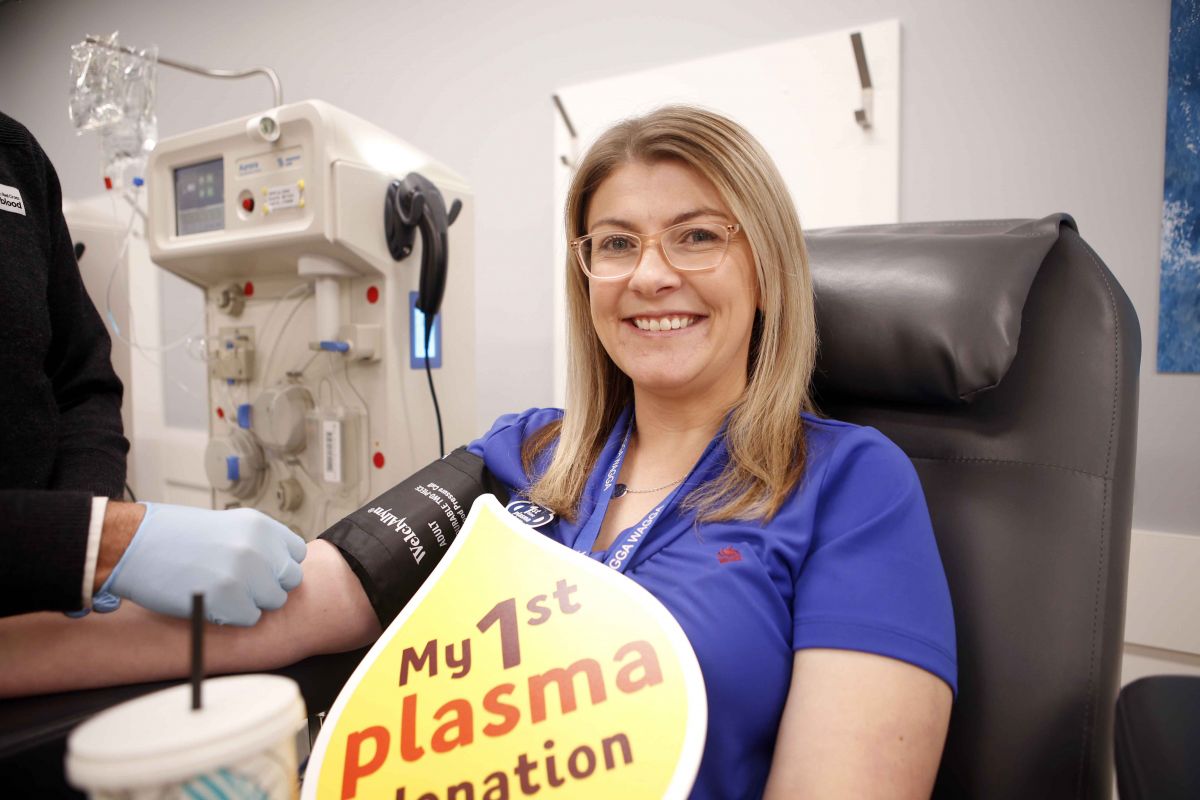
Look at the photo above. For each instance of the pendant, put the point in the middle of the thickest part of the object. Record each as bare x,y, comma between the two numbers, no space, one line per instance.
619,490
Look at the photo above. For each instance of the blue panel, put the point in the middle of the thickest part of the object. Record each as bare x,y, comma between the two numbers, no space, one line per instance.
1179,281
232,471
244,415
416,353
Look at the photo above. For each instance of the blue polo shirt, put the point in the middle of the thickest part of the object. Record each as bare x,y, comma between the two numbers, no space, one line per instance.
849,562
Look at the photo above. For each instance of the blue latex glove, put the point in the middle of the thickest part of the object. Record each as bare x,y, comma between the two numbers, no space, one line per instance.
102,602
241,560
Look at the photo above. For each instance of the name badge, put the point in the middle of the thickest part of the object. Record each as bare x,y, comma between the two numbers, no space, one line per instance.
531,514
10,200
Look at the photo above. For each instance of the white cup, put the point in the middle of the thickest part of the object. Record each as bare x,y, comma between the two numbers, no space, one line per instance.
241,743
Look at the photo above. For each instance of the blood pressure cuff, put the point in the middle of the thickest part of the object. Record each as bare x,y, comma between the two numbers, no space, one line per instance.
394,542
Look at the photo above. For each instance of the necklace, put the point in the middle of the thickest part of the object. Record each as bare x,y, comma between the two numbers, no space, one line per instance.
620,490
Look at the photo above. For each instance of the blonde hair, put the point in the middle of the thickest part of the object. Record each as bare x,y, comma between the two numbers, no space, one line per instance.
765,434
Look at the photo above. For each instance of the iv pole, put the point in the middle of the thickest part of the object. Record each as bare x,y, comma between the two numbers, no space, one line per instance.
211,73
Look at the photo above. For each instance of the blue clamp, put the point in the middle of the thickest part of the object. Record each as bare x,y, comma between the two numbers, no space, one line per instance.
232,471
137,181
336,347
243,415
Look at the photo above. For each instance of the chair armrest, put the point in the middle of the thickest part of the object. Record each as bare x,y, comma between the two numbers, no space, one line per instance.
1158,737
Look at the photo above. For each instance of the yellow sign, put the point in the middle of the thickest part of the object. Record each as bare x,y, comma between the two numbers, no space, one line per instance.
521,667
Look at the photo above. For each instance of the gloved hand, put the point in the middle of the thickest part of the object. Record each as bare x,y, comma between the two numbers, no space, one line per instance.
241,560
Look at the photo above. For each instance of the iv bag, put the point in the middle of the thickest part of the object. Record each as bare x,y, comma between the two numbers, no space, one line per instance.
113,92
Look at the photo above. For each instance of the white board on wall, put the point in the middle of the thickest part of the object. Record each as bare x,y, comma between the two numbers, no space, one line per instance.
798,97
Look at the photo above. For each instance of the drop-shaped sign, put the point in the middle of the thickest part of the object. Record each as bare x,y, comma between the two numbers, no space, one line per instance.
520,667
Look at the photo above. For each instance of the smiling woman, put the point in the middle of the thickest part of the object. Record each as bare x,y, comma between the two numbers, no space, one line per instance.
795,551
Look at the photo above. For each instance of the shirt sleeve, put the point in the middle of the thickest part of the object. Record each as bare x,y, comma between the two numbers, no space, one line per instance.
500,447
92,553
873,580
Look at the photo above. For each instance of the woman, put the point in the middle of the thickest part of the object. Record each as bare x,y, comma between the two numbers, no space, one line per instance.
796,552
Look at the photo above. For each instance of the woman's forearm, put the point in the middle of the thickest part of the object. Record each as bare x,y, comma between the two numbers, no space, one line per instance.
327,613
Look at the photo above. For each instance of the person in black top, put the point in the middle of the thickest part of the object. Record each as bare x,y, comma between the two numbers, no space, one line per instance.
63,545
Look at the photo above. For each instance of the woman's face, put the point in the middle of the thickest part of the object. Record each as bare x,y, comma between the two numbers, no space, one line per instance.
706,356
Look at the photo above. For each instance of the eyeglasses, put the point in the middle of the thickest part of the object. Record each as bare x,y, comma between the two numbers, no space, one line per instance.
688,246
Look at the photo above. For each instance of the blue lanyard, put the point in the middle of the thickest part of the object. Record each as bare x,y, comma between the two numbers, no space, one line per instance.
620,554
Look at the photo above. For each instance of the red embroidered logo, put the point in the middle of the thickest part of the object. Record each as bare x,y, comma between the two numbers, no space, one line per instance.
727,554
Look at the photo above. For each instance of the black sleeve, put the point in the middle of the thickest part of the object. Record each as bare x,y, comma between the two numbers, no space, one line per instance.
91,445
394,542
61,437
42,550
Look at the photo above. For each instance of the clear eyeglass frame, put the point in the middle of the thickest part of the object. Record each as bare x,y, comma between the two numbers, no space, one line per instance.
646,241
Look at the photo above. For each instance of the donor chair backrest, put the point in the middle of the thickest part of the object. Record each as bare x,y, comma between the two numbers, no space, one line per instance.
1002,356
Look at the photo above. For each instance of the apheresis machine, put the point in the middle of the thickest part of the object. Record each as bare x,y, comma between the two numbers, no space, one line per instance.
337,265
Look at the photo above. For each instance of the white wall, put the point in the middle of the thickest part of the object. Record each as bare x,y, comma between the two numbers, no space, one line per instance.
1161,634
1014,108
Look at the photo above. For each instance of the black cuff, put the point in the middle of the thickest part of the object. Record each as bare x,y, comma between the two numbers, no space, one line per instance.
393,543
43,549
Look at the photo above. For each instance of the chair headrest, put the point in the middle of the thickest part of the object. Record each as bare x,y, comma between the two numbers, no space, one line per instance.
923,312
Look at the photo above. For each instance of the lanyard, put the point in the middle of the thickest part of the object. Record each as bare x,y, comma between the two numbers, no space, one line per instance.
620,554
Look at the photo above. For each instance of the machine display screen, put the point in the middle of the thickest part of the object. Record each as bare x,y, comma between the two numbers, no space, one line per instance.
200,197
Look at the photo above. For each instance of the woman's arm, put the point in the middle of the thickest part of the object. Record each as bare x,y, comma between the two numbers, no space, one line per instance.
859,725
327,613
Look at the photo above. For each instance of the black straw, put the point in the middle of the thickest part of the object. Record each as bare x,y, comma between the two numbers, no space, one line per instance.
197,648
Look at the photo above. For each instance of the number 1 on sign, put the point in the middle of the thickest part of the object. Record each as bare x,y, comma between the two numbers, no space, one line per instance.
505,613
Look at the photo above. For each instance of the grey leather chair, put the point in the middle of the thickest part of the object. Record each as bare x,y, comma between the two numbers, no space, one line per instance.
1002,356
